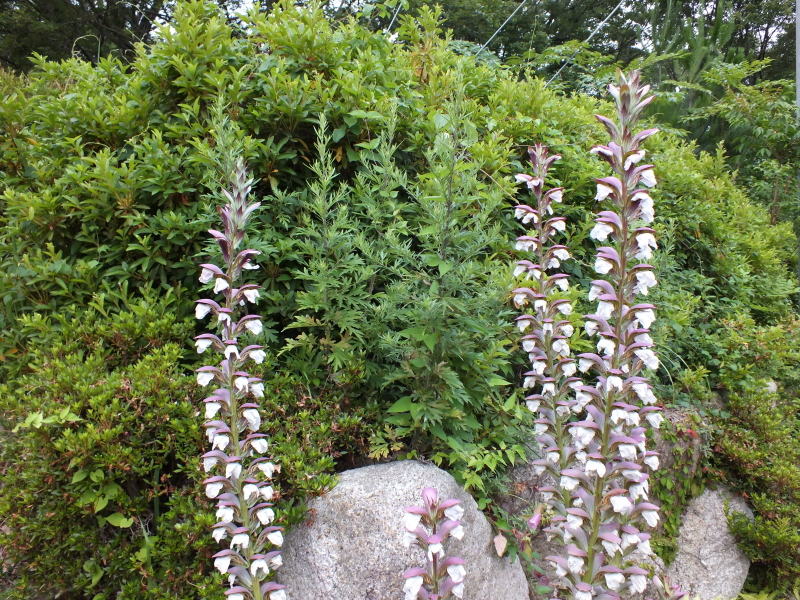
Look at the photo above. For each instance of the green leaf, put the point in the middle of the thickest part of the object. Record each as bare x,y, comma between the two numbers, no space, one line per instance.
119,520
80,476
444,268
100,503
97,476
404,404
496,381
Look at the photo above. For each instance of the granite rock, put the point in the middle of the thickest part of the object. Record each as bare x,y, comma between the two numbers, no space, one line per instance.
351,546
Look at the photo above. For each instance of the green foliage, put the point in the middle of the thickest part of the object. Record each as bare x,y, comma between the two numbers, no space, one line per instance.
384,171
101,485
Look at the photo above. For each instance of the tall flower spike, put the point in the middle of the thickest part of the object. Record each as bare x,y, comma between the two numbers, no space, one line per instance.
430,526
239,472
610,492
547,331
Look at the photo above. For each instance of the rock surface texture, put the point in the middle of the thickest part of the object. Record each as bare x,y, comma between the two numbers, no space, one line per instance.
351,547
708,563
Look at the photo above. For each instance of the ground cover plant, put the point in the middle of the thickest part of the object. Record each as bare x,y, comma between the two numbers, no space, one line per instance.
385,173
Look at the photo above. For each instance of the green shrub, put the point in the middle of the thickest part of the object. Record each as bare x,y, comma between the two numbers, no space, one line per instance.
384,253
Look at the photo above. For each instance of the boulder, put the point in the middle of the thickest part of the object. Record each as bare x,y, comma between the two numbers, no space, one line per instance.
351,546
708,562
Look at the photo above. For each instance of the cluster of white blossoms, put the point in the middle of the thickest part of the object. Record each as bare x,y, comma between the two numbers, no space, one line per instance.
597,459
238,466
429,527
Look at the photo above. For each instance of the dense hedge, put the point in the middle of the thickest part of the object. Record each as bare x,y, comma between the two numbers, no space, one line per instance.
385,172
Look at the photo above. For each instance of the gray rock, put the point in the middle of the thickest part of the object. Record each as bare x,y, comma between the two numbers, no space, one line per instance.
708,563
351,548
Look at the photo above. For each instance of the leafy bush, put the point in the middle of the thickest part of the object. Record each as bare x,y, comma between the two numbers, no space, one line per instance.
384,174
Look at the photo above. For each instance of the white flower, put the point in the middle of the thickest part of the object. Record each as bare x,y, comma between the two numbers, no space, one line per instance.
582,399
568,369
231,350
258,356
457,532
219,534
267,468
652,462
603,191
234,596
257,389
613,382
614,580
606,345
647,243
540,429
529,382
621,504
411,521
601,231
602,266
249,266
457,573
565,308
628,539
574,521
241,383
627,451
596,465
644,338
526,245
655,419
529,345
259,445
251,295
408,539
561,253
582,436
276,562
556,196
519,270
222,563
204,378
561,347
639,490
202,344
435,549
220,441
201,310
250,490
266,492
208,463
212,408
584,364
533,405
257,565
644,547
549,388
634,158
523,324
240,539
253,418
583,595
213,489
265,515
567,329
648,178
225,514
254,326
645,393
644,281
540,305
569,483
454,513
651,516
590,327
520,299
276,537
220,284
610,547
233,470
638,583
648,357
595,292
645,317
412,586
206,275
223,318
631,475
575,563
277,594
558,225
562,283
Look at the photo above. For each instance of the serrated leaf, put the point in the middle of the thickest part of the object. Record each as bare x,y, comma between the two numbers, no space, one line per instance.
495,381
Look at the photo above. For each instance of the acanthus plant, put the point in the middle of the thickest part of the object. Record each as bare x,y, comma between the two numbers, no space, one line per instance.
241,484
598,463
430,526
